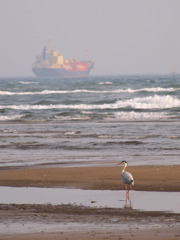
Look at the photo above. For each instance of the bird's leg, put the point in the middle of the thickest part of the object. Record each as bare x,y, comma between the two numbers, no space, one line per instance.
126,191
126,194
126,200
130,187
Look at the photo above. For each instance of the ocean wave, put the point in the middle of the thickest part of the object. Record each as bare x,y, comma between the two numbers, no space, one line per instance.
26,83
133,142
10,118
131,116
75,117
128,90
154,102
105,83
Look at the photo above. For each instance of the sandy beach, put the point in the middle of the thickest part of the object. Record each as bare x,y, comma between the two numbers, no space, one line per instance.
147,178
85,223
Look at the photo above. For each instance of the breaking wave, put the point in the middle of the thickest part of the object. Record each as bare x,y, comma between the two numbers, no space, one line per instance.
26,83
10,118
132,116
154,102
128,90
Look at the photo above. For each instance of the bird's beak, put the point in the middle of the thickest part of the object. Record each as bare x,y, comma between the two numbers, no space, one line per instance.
119,163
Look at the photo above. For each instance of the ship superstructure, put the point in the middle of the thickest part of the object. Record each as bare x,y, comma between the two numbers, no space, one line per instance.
52,64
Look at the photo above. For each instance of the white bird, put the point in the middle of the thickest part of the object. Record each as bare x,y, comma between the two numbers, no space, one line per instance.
126,178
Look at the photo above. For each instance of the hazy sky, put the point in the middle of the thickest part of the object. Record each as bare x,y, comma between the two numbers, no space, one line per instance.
122,36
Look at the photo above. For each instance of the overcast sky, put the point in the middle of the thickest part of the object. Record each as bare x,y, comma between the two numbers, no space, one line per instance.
121,36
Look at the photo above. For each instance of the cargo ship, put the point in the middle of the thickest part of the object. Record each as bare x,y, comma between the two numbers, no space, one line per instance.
51,64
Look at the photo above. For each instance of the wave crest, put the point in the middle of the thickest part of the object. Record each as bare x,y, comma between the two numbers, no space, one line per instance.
155,102
128,90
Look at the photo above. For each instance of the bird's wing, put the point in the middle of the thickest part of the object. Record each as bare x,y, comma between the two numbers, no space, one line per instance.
127,178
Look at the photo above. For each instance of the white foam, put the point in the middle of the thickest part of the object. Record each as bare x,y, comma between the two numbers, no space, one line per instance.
8,118
105,83
75,117
69,133
158,89
140,116
128,90
22,82
154,102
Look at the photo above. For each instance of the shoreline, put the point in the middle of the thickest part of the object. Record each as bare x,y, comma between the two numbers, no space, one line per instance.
146,178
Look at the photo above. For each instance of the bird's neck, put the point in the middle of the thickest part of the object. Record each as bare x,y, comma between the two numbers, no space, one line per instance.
124,168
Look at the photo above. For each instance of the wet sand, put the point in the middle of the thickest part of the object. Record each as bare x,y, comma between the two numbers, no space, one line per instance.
156,234
71,222
92,223
162,234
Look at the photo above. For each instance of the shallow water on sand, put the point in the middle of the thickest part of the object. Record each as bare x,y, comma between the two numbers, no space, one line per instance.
138,200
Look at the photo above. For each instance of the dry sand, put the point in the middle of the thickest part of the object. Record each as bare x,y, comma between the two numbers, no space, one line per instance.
147,178
140,225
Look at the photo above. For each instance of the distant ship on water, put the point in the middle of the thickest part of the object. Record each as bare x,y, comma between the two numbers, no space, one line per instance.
51,64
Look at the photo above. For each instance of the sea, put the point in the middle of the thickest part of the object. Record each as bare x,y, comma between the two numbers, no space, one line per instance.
95,121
